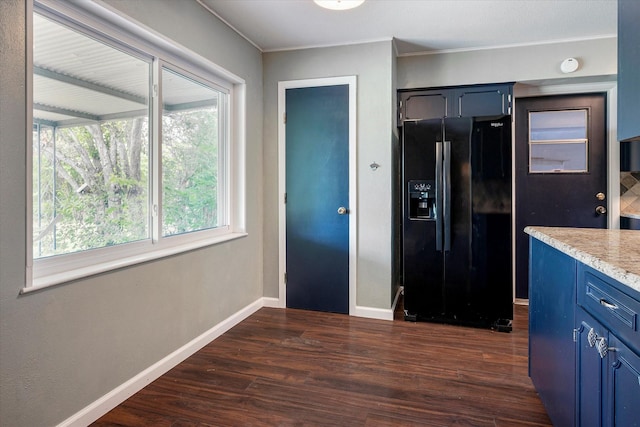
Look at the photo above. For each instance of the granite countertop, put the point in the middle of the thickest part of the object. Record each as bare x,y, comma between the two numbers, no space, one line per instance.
615,253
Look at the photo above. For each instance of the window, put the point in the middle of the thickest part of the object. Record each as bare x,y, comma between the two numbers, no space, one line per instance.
131,147
91,142
558,141
191,130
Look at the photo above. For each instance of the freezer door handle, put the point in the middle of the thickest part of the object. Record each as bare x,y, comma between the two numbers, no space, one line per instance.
439,196
446,190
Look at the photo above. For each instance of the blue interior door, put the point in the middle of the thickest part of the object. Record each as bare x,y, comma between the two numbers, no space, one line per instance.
317,186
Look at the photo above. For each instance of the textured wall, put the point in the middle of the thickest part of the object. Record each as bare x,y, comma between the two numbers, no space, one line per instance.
372,63
598,57
64,347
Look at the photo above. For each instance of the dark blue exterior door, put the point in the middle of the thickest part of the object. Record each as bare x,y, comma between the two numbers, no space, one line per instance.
555,198
317,186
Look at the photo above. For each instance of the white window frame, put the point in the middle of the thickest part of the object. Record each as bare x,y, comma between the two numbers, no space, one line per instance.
542,142
96,19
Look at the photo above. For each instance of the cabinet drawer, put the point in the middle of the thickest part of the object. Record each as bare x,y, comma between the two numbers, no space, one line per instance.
601,296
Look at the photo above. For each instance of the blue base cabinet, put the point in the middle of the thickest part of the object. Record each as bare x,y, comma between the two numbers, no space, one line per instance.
552,296
623,405
590,371
584,343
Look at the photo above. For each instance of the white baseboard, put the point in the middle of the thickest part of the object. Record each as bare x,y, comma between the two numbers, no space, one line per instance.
272,302
373,313
378,313
98,408
121,393
521,301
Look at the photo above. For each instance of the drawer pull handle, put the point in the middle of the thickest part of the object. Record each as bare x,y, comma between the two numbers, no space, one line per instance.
607,304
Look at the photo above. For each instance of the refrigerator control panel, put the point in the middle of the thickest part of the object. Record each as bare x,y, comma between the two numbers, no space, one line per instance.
421,185
422,200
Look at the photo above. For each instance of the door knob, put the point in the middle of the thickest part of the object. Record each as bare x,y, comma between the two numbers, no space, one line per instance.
342,210
600,196
601,210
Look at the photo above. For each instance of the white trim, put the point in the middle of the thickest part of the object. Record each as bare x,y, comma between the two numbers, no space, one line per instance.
382,39
28,191
510,45
101,20
228,24
379,313
521,301
95,410
329,45
271,302
107,19
351,81
373,313
613,147
524,90
237,159
68,270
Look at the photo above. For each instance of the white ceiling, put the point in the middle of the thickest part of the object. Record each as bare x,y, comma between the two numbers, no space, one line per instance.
417,25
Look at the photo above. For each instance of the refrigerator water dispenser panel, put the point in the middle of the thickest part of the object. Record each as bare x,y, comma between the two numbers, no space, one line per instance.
422,200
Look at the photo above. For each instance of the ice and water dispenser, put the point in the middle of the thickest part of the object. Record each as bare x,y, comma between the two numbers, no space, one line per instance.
422,200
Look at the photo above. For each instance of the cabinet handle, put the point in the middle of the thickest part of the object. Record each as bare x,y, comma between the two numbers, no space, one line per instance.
592,337
607,304
602,347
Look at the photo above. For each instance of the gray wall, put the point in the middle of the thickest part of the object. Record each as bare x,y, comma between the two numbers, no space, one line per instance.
64,347
378,76
539,63
372,63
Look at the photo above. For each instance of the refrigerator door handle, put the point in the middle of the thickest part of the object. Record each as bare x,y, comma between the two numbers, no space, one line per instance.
439,189
446,189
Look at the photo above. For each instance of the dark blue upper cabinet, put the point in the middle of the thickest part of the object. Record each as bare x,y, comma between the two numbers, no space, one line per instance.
483,101
459,101
423,105
628,70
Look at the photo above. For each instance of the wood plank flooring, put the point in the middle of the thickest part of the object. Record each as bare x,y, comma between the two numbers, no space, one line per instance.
299,368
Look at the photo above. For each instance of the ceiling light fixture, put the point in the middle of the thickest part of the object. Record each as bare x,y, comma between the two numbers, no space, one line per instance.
339,4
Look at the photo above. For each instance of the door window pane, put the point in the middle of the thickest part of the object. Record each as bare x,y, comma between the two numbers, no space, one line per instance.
90,142
191,158
558,141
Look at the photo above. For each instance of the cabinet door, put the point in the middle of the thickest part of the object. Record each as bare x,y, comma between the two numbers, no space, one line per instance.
623,394
483,101
424,105
590,371
552,351
628,66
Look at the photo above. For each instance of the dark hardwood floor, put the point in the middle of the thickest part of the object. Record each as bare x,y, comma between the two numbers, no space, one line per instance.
298,368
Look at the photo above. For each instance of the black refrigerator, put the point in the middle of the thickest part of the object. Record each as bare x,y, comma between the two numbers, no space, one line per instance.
456,231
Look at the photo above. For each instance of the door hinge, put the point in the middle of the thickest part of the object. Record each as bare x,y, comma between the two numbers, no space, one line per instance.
509,107
575,335
155,91
285,198
285,278
284,118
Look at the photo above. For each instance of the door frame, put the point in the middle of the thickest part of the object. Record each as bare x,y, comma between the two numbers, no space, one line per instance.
523,90
351,82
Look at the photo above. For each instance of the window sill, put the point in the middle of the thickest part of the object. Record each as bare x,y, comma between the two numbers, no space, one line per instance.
46,281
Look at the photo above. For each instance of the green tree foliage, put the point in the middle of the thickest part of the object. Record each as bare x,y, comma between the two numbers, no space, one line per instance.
91,182
190,171
100,175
